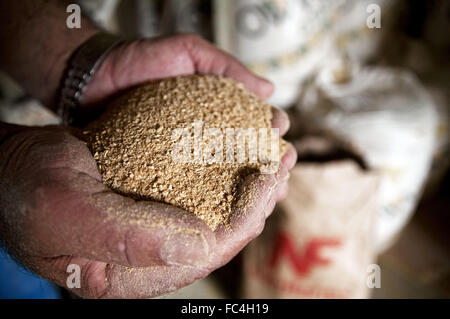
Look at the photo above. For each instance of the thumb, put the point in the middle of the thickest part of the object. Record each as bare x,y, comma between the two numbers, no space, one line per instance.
79,216
209,59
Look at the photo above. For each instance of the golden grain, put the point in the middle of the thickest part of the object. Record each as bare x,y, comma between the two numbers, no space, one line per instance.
132,142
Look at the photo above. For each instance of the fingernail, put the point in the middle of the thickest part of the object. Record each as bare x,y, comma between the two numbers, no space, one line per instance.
185,248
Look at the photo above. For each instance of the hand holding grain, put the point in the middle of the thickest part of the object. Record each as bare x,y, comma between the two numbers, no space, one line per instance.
56,211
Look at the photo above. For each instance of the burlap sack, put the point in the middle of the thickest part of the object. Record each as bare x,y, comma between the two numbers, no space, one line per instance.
286,41
390,119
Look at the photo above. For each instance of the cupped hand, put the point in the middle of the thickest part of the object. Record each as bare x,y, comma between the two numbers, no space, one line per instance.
56,212
139,61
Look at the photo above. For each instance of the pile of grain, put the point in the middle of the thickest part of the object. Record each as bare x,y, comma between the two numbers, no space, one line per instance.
132,142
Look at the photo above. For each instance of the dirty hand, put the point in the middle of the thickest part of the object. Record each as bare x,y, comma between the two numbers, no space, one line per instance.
55,211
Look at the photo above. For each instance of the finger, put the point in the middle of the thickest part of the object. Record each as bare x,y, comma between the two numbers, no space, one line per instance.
257,198
88,280
280,120
282,191
208,59
79,216
289,158
102,280
149,282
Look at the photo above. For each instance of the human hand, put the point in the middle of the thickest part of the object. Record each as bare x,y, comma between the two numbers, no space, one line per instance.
140,61
55,210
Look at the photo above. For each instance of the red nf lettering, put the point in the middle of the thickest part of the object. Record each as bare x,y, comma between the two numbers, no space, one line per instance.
303,261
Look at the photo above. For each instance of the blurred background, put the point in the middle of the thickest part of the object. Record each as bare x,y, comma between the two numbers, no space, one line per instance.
366,84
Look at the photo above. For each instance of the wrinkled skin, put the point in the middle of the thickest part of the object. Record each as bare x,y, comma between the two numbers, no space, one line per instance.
55,211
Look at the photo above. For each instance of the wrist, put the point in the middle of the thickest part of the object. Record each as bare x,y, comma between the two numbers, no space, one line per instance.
33,50
56,70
